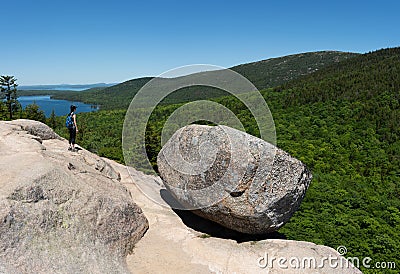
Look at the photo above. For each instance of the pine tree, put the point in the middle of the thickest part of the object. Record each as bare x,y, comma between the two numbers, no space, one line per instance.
52,120
8,85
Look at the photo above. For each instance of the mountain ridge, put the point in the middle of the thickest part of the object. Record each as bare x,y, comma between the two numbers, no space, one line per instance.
315,61
263,74
65,86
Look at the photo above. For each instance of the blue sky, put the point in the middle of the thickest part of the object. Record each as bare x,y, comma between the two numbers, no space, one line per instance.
74,42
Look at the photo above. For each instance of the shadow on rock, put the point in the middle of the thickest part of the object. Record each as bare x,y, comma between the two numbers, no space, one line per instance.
211,228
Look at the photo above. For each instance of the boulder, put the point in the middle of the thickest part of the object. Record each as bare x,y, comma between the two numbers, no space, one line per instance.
180,242
232,178
61,211
36,128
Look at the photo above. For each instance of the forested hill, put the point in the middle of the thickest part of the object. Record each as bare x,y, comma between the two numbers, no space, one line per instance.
344,122
276,71
361,78
368,84
114,97
262,74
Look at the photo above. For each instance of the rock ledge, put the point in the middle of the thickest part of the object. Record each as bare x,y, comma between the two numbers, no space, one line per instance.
61,211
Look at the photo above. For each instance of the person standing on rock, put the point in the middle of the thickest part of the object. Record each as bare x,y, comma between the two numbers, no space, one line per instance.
72,127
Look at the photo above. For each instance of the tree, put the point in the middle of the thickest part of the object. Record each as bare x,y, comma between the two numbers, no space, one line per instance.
3,110
33,112
52,120
9,87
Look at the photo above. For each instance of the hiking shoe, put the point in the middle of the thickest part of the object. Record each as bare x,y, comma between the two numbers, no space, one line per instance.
70,148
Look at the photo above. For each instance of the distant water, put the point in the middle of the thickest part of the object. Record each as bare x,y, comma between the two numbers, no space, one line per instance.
61,107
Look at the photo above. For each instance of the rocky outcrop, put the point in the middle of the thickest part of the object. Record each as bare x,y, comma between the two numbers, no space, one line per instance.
61,211
233,178
68,212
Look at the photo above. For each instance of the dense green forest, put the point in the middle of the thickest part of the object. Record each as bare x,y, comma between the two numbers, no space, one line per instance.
342,120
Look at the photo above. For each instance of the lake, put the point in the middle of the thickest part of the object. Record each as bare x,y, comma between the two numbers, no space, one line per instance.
61,107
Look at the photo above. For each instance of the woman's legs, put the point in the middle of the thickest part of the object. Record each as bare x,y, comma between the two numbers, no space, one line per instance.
72,137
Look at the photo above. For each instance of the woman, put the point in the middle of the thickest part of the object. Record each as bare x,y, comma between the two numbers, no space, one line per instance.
72,130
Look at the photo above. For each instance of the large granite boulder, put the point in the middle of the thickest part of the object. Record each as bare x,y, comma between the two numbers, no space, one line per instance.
61,211
233,178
